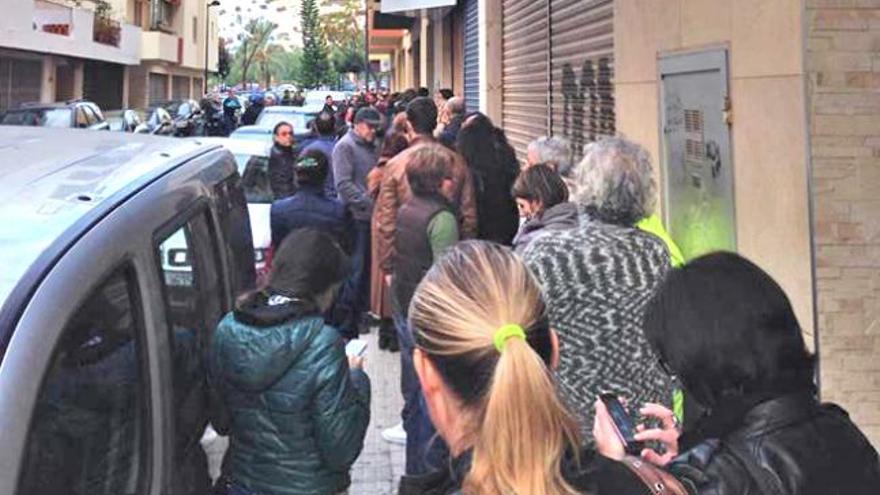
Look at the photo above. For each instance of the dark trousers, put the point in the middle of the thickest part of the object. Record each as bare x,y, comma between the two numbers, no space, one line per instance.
354,299
425,450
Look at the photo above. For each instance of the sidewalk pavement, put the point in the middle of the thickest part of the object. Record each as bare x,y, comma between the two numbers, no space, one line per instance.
381,464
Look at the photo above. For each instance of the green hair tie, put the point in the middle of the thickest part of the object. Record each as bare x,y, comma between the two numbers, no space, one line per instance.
507,332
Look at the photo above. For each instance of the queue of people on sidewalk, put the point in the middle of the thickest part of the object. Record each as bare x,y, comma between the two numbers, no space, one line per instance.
517,297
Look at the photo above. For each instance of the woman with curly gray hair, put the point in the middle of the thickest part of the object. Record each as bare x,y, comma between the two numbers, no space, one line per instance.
598,277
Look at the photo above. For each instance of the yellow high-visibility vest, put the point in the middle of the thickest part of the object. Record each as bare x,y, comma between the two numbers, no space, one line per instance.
653,225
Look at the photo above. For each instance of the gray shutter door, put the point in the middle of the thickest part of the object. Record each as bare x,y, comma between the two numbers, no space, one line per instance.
525,74
158,88
103,84
179,87
21,81
471,56
582,50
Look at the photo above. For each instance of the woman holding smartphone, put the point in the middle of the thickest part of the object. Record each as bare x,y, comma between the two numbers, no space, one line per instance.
728,332
484,357
295,407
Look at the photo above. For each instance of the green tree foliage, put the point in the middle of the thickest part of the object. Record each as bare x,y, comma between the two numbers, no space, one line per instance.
224,60
315,69
253,41
344,30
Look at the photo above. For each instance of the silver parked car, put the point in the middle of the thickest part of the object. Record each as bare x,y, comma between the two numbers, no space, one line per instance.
103,388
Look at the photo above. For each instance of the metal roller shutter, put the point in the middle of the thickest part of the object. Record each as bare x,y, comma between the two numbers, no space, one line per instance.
158,88
525,74
582,50
103,83
471,56
20,81
179,87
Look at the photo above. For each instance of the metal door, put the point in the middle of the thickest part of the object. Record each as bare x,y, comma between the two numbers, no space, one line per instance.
471,56
158,88
582,58
525,74
697,164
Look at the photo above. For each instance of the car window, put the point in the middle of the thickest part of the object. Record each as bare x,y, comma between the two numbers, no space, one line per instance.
81,118
98,114
91,118
89,421
254,172
271,119
232,213
194,304
52,117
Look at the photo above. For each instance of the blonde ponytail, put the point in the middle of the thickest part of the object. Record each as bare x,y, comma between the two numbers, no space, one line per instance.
520,430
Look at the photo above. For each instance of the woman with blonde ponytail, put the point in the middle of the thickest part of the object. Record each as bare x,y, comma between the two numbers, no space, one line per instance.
484,357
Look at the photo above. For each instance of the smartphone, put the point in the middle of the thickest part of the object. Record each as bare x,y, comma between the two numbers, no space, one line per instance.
356,347
623,423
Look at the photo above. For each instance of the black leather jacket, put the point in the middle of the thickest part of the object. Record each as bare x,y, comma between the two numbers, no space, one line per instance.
281,176
797,447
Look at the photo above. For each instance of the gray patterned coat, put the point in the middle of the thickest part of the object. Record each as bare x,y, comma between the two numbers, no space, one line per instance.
597,279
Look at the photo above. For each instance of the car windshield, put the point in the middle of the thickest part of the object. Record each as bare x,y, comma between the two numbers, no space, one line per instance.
254,172
42,117
299,121
252,136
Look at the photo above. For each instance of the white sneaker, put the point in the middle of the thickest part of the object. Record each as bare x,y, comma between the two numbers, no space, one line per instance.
395,434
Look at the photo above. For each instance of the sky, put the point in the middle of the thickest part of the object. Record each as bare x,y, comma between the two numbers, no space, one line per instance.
234,14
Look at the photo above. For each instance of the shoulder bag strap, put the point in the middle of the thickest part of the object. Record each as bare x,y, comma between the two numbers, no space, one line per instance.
658,481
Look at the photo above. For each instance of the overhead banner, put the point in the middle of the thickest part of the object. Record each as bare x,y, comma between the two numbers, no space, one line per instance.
390,6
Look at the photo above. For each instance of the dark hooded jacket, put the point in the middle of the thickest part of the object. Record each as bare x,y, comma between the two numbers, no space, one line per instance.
563,216
281,176
296,415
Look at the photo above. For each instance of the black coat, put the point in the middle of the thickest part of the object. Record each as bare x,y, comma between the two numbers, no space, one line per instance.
597,475
796,445
281,177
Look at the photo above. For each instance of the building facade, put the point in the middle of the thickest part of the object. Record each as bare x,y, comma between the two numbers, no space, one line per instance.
177,37
130,55
55,51
762,118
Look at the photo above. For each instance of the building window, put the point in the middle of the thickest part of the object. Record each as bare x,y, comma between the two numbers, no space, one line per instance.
195,29
164,16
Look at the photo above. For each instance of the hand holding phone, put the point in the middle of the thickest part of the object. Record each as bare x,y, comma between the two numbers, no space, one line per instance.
356,348
623,423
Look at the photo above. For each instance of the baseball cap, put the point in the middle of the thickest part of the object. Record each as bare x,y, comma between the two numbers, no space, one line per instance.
368,115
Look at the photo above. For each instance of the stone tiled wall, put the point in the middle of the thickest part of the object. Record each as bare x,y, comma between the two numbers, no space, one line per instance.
843,74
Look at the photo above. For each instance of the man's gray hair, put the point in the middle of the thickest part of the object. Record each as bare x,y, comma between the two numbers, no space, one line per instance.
553,151
456,105
615,181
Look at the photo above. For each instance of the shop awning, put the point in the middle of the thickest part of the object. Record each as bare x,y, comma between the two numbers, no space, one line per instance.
390,6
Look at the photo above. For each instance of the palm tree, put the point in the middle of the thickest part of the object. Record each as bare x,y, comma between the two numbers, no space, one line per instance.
269,61
254,40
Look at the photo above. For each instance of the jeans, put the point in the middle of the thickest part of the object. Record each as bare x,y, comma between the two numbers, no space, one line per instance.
425,450
355,296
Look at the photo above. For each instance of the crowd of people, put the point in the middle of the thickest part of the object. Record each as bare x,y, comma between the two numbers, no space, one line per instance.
516,294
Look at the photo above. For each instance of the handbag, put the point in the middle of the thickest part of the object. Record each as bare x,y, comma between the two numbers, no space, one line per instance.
658,481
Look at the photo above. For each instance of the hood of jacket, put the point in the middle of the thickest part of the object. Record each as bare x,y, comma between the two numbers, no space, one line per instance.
561,216
260,343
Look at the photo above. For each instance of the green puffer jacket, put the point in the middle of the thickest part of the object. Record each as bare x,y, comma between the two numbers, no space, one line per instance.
295,414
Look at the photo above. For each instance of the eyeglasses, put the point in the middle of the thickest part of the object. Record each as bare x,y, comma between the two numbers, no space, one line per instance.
283,134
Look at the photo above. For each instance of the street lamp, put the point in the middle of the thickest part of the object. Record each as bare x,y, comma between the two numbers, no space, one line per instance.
214,3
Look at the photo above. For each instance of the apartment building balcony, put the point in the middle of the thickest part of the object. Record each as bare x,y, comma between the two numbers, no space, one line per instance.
54,27
161,46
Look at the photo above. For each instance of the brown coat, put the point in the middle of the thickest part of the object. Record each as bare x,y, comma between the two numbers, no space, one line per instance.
380,293
394,191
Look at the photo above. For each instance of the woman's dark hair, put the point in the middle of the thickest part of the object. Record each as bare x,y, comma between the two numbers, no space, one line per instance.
422,115
311,168
306,264
278,127
325,124
541,183
727,330
488,163
423,92
426,169
446,93
393,144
